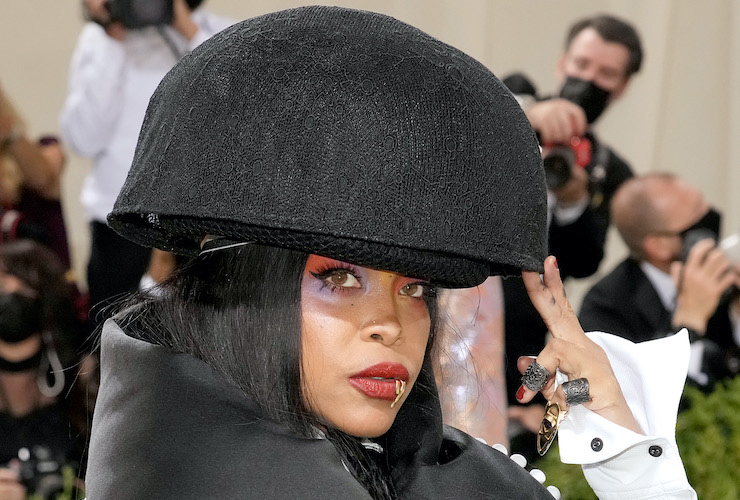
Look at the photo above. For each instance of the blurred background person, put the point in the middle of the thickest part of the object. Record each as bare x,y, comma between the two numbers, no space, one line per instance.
675,276
601,55
43,414
30,184
120,58
30,189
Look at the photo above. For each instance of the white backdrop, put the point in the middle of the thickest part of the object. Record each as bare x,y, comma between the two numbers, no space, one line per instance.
681,113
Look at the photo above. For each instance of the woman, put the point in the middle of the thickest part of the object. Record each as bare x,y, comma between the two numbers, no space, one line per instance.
329,169
38,422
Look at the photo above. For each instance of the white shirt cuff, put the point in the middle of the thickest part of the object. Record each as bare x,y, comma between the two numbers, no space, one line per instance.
617,462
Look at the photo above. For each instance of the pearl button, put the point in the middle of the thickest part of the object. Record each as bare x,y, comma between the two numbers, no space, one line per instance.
518,459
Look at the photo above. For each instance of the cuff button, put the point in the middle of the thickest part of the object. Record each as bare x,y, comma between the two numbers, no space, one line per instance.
655,451
597,444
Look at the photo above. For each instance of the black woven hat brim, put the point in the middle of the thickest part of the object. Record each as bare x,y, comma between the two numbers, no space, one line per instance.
345,133
445,269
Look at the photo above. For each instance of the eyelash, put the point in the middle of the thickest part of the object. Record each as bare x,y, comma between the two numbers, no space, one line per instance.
323,273
430,292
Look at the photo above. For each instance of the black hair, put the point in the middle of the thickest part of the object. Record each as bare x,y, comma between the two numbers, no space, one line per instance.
612,29
238,310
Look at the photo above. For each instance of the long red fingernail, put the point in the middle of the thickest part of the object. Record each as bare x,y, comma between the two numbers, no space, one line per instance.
520,393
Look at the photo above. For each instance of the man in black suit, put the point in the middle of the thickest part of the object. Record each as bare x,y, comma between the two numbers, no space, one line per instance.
664,285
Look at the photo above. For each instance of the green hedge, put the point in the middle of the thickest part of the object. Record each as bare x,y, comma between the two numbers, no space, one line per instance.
708,436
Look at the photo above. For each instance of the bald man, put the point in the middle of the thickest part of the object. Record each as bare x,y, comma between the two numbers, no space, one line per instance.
659,289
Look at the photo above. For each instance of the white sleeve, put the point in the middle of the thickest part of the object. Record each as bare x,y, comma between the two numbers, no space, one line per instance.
93,103
619,463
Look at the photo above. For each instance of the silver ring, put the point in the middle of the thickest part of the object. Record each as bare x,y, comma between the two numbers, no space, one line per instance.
535,377
576,391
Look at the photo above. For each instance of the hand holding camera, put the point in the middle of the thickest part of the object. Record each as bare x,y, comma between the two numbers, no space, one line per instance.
10,487
561,126
574,190
701,281
565,169
557,120
99,12
118,16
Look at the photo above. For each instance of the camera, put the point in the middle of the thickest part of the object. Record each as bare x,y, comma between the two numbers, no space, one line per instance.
43,474
135,14
729,245
140,13
692,237
561,159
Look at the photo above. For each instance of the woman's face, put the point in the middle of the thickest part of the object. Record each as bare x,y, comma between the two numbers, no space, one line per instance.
364,333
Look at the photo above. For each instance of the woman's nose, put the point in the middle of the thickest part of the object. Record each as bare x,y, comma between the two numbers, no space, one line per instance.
382,325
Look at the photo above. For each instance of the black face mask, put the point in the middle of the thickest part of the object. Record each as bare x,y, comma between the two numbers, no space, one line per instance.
592,98
706,227
20,317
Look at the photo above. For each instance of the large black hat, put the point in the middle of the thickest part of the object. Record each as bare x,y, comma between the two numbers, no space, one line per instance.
344,133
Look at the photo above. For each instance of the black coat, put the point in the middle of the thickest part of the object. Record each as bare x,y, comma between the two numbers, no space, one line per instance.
166,426
625,303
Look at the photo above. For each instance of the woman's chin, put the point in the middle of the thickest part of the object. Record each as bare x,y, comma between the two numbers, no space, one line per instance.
366,422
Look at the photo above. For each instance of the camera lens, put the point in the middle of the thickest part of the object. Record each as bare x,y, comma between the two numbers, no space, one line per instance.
558,164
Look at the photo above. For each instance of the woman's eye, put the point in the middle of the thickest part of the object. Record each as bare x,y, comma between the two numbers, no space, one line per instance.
344,279
413,290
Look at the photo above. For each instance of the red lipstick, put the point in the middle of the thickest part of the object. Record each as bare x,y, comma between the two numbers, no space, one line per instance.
379,381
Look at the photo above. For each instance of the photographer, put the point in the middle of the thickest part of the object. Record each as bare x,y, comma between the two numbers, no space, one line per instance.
121,56
601,55
675,277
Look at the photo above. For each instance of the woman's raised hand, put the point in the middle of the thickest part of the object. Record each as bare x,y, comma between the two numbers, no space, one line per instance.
571,352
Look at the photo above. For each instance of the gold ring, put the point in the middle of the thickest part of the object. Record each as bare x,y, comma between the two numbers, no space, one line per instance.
549,427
